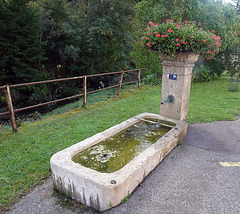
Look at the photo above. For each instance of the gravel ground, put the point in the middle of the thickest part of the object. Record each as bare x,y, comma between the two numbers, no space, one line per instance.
189,180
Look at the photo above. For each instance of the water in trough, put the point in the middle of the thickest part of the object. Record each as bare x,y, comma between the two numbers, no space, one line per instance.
115,152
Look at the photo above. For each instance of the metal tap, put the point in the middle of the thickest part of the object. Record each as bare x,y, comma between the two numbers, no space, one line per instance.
170,99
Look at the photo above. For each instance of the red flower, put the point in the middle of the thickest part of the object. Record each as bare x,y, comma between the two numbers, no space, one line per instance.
184,42
148,34
204,40
217,43
186,21
167,20
170,30
140,42
177,25
178,45
157,35
177,39
208,52
151,23
148,44
235,33
146,38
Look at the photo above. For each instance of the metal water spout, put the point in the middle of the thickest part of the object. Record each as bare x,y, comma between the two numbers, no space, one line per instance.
170,99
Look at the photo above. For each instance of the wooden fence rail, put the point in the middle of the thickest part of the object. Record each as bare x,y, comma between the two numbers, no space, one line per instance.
11,111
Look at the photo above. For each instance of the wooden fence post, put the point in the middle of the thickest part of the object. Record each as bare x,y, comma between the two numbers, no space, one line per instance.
10,108
139,77
120,83
84,91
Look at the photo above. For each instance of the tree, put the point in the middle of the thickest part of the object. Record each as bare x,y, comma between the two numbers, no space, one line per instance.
61,33
108,24
21,48
86,36
236,5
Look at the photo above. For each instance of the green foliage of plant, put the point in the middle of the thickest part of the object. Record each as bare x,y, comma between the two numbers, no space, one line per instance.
216,65
203,74
153,78
170,37
21,49
160,10
125,200
62,35
232,63
86,37
110,25
147,59
212,15
226,23
24,156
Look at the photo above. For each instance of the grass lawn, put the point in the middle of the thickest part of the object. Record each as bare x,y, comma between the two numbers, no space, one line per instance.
24,156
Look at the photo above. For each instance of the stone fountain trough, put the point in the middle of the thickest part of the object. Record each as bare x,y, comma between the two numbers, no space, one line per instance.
103,191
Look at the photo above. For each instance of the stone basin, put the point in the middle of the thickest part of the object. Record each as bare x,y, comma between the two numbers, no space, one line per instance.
103,191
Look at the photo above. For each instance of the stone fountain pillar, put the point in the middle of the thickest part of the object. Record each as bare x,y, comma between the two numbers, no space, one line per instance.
176,82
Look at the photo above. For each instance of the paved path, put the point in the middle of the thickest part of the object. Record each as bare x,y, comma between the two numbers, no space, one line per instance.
201,176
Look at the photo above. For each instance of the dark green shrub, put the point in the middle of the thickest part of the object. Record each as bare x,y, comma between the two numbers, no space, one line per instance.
203,74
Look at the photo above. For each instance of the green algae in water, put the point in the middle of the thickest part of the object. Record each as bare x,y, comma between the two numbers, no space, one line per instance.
115,152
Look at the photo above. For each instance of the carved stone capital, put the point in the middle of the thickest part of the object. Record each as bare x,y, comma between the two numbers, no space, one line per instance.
179,59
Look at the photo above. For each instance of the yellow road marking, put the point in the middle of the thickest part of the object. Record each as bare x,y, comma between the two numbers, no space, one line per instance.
230,163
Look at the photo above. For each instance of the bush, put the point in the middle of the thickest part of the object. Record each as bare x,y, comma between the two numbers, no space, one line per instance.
154,79
150,60
203,74
170,37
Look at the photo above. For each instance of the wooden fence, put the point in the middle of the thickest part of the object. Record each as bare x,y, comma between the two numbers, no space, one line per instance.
11,111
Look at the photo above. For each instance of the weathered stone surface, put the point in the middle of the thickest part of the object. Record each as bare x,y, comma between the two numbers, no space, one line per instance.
105,190
179,87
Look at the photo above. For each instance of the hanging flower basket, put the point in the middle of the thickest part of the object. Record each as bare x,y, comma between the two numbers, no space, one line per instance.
171,38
